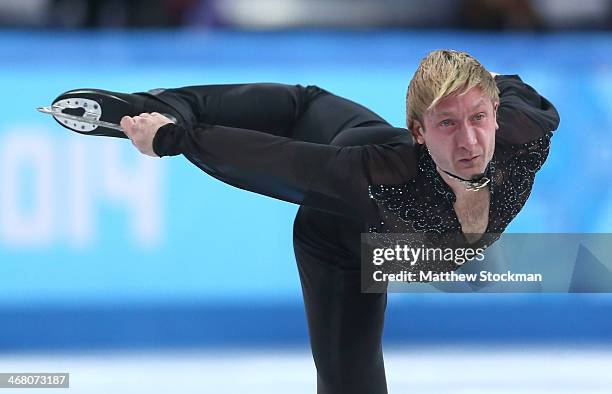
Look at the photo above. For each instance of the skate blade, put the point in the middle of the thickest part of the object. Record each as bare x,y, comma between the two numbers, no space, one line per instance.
86,122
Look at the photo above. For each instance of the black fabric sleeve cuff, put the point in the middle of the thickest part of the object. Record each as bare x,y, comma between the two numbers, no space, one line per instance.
167,140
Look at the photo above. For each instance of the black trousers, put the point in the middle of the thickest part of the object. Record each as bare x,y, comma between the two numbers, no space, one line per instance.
345,325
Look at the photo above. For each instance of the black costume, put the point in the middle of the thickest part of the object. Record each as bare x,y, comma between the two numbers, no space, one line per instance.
351,172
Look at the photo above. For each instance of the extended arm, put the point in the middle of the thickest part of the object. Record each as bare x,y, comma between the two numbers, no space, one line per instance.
327,177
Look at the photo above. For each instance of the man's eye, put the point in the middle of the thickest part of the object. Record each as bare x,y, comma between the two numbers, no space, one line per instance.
446,123
479,116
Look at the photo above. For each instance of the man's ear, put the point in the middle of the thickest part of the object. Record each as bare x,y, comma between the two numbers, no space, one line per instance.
417,132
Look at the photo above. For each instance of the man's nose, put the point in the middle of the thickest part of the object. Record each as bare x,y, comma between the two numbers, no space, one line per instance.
466,136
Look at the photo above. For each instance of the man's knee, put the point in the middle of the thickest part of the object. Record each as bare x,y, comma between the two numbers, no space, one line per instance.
311,92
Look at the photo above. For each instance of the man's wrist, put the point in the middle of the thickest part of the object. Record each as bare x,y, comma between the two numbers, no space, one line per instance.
167,140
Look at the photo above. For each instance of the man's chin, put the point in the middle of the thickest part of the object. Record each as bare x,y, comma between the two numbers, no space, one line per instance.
469,173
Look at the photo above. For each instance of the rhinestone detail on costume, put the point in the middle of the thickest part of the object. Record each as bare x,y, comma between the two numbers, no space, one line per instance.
425,204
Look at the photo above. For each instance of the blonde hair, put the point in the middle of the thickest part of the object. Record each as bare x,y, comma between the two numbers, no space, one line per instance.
442,73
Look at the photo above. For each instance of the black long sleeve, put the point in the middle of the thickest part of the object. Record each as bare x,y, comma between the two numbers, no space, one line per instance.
327,177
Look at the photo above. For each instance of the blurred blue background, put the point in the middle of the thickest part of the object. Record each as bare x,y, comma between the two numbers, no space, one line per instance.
102,248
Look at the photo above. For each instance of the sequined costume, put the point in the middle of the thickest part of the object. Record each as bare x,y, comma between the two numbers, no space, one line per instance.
350,172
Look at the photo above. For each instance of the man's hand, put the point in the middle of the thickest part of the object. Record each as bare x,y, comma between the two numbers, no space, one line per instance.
142,128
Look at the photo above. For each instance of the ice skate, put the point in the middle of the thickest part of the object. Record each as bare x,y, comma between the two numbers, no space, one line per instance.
98,112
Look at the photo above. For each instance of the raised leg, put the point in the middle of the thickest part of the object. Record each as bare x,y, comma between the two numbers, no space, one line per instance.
303,113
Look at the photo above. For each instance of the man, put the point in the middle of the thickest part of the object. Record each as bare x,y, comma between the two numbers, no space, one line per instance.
479,142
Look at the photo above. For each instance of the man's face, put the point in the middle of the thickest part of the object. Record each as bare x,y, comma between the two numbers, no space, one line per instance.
459,132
